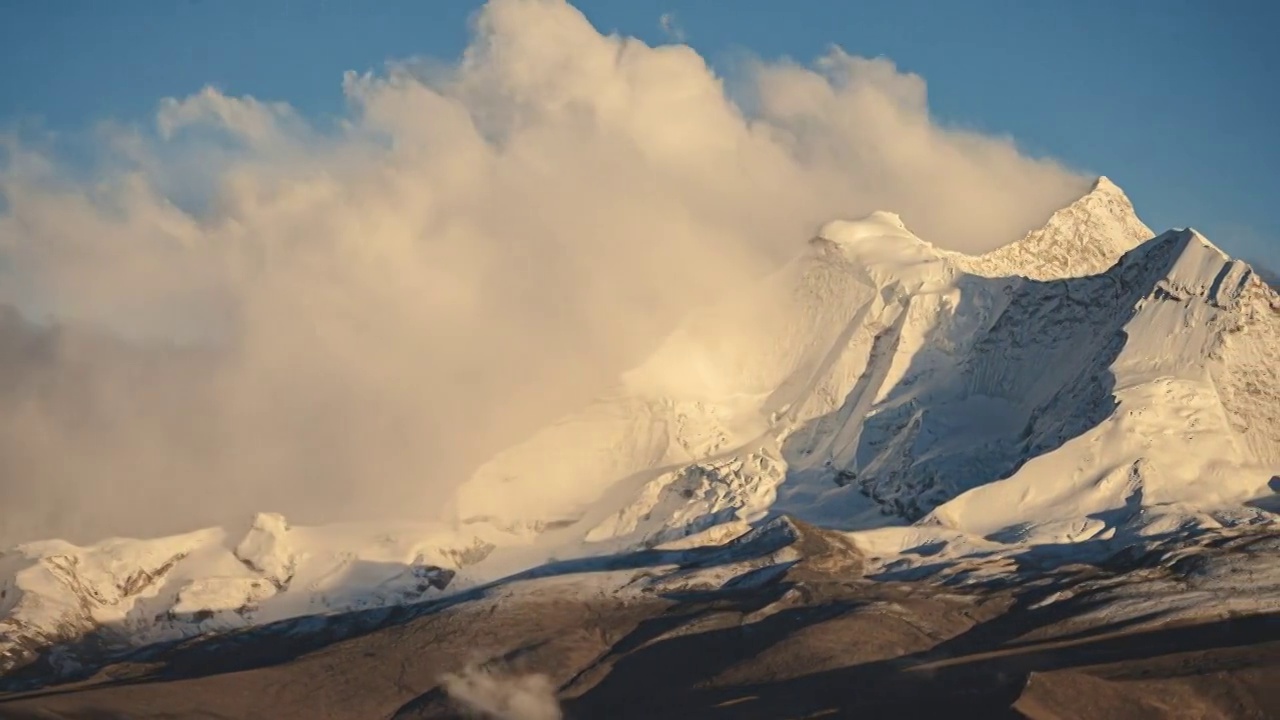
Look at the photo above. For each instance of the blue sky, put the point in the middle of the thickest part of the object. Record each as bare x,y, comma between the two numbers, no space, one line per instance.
1175,100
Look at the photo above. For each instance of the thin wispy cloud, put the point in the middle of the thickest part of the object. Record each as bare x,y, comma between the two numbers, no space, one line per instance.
671,27
367,310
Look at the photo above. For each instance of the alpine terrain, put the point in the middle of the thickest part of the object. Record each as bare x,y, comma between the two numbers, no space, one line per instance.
890,480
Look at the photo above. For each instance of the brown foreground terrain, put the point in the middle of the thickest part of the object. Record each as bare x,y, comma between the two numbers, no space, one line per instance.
791,640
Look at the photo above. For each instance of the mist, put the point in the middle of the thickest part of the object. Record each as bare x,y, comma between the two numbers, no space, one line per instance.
1268,274
488,694
240,309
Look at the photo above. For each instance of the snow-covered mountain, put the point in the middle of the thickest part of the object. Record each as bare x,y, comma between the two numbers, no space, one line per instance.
1087,382
131,592
878,373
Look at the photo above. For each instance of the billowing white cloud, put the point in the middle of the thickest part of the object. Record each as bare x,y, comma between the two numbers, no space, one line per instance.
371,309
257,123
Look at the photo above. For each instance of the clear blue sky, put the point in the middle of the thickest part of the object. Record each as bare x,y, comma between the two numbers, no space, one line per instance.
1177,100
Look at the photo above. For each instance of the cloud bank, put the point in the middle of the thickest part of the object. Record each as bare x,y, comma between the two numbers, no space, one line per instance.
339,320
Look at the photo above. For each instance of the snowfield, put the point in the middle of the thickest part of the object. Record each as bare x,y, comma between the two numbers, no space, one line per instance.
1090,388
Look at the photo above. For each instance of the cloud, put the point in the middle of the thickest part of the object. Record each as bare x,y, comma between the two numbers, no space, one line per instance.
258,313
671,27
520,697
259,124
1268,275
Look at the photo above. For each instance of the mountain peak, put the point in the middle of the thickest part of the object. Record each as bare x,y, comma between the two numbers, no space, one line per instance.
1084,238
877,225
1104,185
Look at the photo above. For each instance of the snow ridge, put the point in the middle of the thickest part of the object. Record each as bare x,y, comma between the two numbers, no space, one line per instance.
1084,238
134,592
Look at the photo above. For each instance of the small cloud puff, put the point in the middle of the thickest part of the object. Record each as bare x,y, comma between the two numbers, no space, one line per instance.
671,28
497,697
